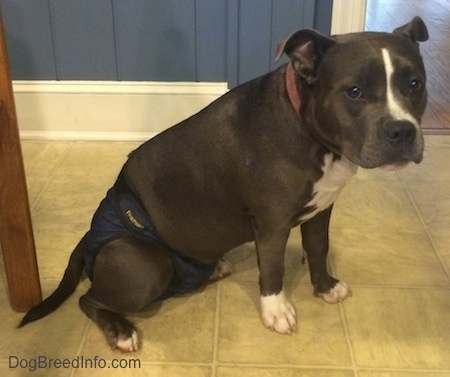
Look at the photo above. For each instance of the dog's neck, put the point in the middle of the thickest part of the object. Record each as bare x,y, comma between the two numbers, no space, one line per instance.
294,98
291,87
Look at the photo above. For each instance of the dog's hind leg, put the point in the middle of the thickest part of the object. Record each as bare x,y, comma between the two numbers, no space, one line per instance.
129,274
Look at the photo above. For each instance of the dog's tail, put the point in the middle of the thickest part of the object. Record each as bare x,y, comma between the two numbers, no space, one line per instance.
66,287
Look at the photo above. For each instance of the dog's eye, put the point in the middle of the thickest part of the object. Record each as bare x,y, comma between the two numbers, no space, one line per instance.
415,85
354,92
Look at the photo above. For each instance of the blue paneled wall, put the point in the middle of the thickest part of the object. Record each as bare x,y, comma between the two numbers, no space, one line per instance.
152,40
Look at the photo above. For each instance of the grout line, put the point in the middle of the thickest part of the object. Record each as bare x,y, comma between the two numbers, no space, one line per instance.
277,366
402,287
347,338
82,343
429,372
83,338
441,259
57,166
332,267
216,330
425,226
310,367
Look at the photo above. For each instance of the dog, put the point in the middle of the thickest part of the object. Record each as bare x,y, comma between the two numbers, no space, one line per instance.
269,155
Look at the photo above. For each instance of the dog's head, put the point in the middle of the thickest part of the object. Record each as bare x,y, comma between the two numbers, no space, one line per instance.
367,92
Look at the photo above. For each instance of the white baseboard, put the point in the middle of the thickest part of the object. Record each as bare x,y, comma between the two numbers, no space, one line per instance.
348,16
108,110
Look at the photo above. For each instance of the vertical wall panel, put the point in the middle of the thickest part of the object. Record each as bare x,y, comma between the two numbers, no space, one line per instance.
288,16
211,40
254,38
261,25
322,17
29,39
232,43
170,40
155,39
84,39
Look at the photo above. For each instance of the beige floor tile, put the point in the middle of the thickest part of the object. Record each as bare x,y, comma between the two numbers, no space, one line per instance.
70,201
54,245
128,367
76,188
319,339
400,328
21,367
437,142
280,372
441,237
379,373
433,201
95,158
35,186
387,257
244,261
374,203
58,335
182,330
376,175
147,370
434,166
42,157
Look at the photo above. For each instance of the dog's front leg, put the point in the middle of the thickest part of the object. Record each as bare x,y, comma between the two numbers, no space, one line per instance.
315,243
276,311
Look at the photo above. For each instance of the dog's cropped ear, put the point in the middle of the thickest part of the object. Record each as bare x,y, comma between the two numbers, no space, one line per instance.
305,48
416,30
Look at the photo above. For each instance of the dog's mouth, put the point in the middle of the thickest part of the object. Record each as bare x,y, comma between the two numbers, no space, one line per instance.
369,161
386,164
395,166
400,163
388,157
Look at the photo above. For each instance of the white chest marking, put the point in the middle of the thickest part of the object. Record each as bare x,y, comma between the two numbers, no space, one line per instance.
394,106
327,188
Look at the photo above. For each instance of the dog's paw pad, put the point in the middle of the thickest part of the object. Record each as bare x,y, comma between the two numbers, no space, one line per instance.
121,334
128,344
278,314
336,294
222,270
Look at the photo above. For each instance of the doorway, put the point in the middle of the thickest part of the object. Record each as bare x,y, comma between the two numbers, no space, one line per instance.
385,15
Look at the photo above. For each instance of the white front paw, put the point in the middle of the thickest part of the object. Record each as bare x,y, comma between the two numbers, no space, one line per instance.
337,294
278,314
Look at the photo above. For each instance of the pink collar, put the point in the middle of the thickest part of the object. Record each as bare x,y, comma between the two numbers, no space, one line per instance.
291,87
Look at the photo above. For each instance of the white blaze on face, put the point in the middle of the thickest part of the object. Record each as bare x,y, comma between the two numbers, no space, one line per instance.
394,106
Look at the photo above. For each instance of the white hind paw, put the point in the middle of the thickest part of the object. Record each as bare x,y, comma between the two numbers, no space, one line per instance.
129,344
222,270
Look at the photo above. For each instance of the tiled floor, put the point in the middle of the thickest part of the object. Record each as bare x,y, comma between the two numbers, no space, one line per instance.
389,239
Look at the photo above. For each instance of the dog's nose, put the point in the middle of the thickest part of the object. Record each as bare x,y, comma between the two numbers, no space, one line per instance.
400,131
